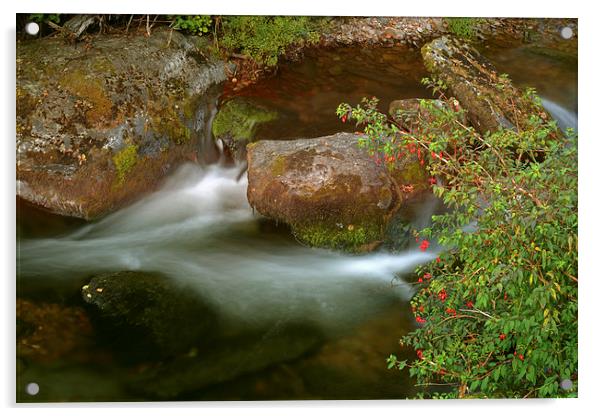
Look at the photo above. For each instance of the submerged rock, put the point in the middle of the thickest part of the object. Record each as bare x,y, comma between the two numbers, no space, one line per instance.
149,315
253,350
236,124
49,332
490,99
332,193
174,338
100,123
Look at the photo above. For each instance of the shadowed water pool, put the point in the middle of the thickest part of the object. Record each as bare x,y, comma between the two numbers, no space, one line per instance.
290,322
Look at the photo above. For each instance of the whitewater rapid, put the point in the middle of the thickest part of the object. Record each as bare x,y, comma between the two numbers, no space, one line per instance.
200,229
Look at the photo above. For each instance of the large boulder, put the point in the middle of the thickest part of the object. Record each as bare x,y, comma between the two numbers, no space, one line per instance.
330,191
490,99
100,123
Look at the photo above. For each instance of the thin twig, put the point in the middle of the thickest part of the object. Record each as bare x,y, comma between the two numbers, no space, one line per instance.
478,311
128,25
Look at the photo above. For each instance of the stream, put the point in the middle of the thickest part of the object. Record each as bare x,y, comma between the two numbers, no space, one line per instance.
199,229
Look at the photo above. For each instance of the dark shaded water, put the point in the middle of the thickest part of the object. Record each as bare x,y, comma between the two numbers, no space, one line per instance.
200,230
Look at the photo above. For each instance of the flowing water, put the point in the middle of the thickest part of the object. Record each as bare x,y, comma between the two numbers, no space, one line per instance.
199,229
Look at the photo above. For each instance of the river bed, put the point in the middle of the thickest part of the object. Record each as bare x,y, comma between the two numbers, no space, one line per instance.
199,229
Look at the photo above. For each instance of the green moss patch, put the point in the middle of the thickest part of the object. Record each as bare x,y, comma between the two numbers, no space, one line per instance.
124,161
350,237
239,120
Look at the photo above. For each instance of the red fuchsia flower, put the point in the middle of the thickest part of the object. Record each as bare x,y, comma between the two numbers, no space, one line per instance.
424,245
442,295
420,320
419,354
438,260
432,181
502,337
469,304
420,280
427,276
450,311
433,155
521,357
344,118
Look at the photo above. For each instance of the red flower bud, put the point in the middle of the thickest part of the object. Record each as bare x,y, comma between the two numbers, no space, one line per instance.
502,337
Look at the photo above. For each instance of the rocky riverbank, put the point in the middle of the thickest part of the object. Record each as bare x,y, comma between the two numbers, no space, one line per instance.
414,32
100,125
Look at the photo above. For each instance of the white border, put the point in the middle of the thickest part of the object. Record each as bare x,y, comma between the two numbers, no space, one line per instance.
589,189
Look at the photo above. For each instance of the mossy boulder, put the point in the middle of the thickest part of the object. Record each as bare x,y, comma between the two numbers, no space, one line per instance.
237,123
149,313
331,192
100,123
490,99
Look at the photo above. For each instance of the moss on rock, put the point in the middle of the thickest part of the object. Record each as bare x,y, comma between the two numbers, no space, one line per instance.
238,119
352,238
124,161
99,107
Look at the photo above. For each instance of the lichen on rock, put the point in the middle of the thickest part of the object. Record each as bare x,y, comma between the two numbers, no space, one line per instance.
81,111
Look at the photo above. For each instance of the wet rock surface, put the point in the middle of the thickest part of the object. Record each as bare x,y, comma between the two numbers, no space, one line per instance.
100,123
490,99
145,314
331,192
409,113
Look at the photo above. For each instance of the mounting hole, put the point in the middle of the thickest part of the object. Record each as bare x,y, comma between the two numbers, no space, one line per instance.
566,32
566,384
32,389
32,28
